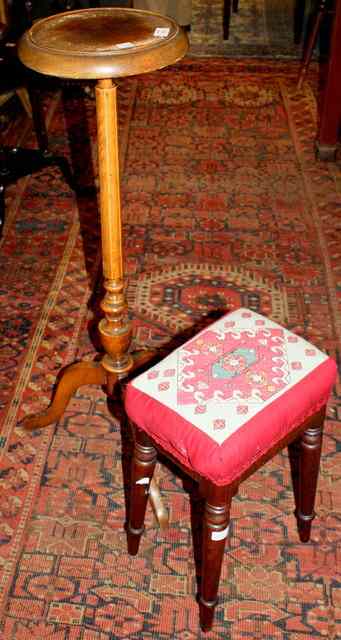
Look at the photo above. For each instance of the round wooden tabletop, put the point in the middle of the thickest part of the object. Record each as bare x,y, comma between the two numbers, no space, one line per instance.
102,43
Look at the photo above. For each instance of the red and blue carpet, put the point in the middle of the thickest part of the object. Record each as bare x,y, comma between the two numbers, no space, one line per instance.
224,205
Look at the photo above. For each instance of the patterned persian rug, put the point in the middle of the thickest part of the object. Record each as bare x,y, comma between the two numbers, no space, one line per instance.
224,205
260,28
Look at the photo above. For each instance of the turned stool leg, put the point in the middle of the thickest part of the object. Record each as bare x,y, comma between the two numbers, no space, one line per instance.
144,461
305,456
215,531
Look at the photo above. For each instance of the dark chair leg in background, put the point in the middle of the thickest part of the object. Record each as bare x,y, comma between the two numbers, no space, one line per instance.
2,206
16,162
227,16
38,119
312,39
299,13
226,19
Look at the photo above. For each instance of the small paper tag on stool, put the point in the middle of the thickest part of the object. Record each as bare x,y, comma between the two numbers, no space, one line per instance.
161,32
143,481
124,45
220,535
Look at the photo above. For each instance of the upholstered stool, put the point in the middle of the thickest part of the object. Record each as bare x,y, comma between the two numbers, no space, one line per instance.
220,406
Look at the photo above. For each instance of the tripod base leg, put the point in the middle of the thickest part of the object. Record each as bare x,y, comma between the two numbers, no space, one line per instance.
72,378
87,373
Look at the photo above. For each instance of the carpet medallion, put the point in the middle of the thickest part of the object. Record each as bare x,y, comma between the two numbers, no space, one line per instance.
174,298
223,205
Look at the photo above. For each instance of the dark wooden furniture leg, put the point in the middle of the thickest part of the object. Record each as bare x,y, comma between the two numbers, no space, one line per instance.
2,206
144,461
226,19
17,162
304,455
330,113
227,16
215,531
309,466
299,11
308,51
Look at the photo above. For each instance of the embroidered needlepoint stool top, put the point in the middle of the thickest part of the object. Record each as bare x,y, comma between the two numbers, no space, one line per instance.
220,406
224,398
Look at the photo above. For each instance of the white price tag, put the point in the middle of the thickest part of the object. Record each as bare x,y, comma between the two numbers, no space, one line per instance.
143,481
220,535
161,32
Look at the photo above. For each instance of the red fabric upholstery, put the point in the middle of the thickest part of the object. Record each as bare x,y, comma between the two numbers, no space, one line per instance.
222,462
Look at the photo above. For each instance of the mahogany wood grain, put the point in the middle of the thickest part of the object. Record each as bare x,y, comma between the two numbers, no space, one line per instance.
215,532
309,465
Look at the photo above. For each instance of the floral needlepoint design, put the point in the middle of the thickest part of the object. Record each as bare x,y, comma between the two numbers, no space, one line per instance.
219,424
234,363
242,409
249,364
152,374
220,379
200,408
163,386
296,365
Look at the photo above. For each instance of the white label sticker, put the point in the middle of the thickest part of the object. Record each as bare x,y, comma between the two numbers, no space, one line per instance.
161,32
143,481
220,535
124,45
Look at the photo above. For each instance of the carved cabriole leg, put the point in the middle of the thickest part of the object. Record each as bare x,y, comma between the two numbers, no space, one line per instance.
309,466
142,472
215,531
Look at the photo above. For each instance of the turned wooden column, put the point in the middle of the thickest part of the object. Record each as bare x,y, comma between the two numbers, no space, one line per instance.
114,328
